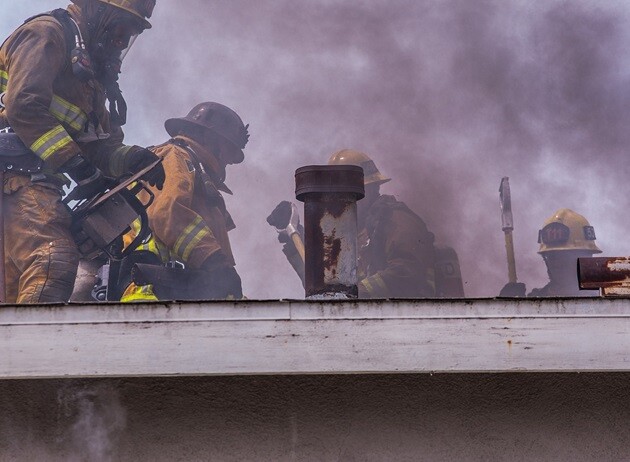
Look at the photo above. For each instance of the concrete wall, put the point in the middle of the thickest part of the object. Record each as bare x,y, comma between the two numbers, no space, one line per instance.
445,417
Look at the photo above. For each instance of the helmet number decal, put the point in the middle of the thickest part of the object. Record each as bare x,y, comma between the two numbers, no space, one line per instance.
554,234
589,233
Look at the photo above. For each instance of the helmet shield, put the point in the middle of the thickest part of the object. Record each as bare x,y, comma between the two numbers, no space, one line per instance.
112,46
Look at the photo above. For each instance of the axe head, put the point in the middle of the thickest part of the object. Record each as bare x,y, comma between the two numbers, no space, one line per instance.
285,218
507,222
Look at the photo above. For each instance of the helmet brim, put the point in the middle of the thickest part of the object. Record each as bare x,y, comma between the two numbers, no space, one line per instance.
176,125
589,248
145,24
376,178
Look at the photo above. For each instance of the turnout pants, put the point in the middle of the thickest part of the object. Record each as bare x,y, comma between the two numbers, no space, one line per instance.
41,258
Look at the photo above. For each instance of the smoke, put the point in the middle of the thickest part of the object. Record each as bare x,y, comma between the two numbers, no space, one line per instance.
95,421
448,97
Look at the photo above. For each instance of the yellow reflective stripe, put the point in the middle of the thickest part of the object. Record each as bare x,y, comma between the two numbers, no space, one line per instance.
135,227
136,223
64,111
4,81
378,281
51,142
67,113
151,244
368,286
375,285
118,159
154,246
135,293
189,239
123,150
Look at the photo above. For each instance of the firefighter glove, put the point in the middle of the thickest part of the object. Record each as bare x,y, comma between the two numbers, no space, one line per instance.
513,289
222,281
286,221
144,158
89,179
281,215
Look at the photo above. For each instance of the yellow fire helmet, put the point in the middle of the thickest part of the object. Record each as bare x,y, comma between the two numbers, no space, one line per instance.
567,230
143,9
350,157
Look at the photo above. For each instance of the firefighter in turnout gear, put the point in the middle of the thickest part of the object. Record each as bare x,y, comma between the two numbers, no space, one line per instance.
396,251
189,255
397,256
565,237
57,73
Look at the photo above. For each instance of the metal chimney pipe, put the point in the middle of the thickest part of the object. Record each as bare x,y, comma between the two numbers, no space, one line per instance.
330,194
609,274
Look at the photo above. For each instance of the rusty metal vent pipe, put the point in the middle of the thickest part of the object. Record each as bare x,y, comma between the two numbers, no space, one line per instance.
609,274
330,194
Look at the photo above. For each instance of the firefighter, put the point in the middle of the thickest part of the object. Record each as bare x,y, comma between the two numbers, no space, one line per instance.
397,256
56,72
190,252
565,237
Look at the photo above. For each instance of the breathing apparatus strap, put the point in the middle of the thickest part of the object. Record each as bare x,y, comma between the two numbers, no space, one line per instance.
117,104
204,176
116,101
82,65
70,29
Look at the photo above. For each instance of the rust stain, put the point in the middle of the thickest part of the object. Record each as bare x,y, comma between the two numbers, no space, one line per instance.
323,242
332,250
604,272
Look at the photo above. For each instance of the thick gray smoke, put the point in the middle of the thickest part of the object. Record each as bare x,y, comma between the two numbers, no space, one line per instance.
96,420
448,97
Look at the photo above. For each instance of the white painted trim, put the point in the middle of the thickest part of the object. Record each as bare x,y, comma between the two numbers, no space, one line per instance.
307,337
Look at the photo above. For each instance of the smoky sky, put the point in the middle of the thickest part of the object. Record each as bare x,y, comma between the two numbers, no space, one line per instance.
447,96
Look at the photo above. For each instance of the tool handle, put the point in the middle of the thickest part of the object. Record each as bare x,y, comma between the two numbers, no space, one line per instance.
509,249
299,245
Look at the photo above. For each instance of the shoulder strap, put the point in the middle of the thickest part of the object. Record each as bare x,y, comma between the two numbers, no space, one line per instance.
200,171
69,28
65,22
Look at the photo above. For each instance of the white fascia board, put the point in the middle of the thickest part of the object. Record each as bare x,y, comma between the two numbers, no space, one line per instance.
301,337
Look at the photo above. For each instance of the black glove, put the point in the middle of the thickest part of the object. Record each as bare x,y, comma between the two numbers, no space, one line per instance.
280,219
89,179
220,280
513,289
280,216
143,158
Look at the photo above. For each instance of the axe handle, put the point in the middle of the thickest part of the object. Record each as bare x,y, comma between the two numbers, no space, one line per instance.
509,249
299,245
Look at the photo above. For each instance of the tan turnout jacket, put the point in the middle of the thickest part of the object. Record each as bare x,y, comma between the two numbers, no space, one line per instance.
55,114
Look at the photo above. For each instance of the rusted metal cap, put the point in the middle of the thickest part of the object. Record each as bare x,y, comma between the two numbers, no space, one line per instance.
603,272
329,179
